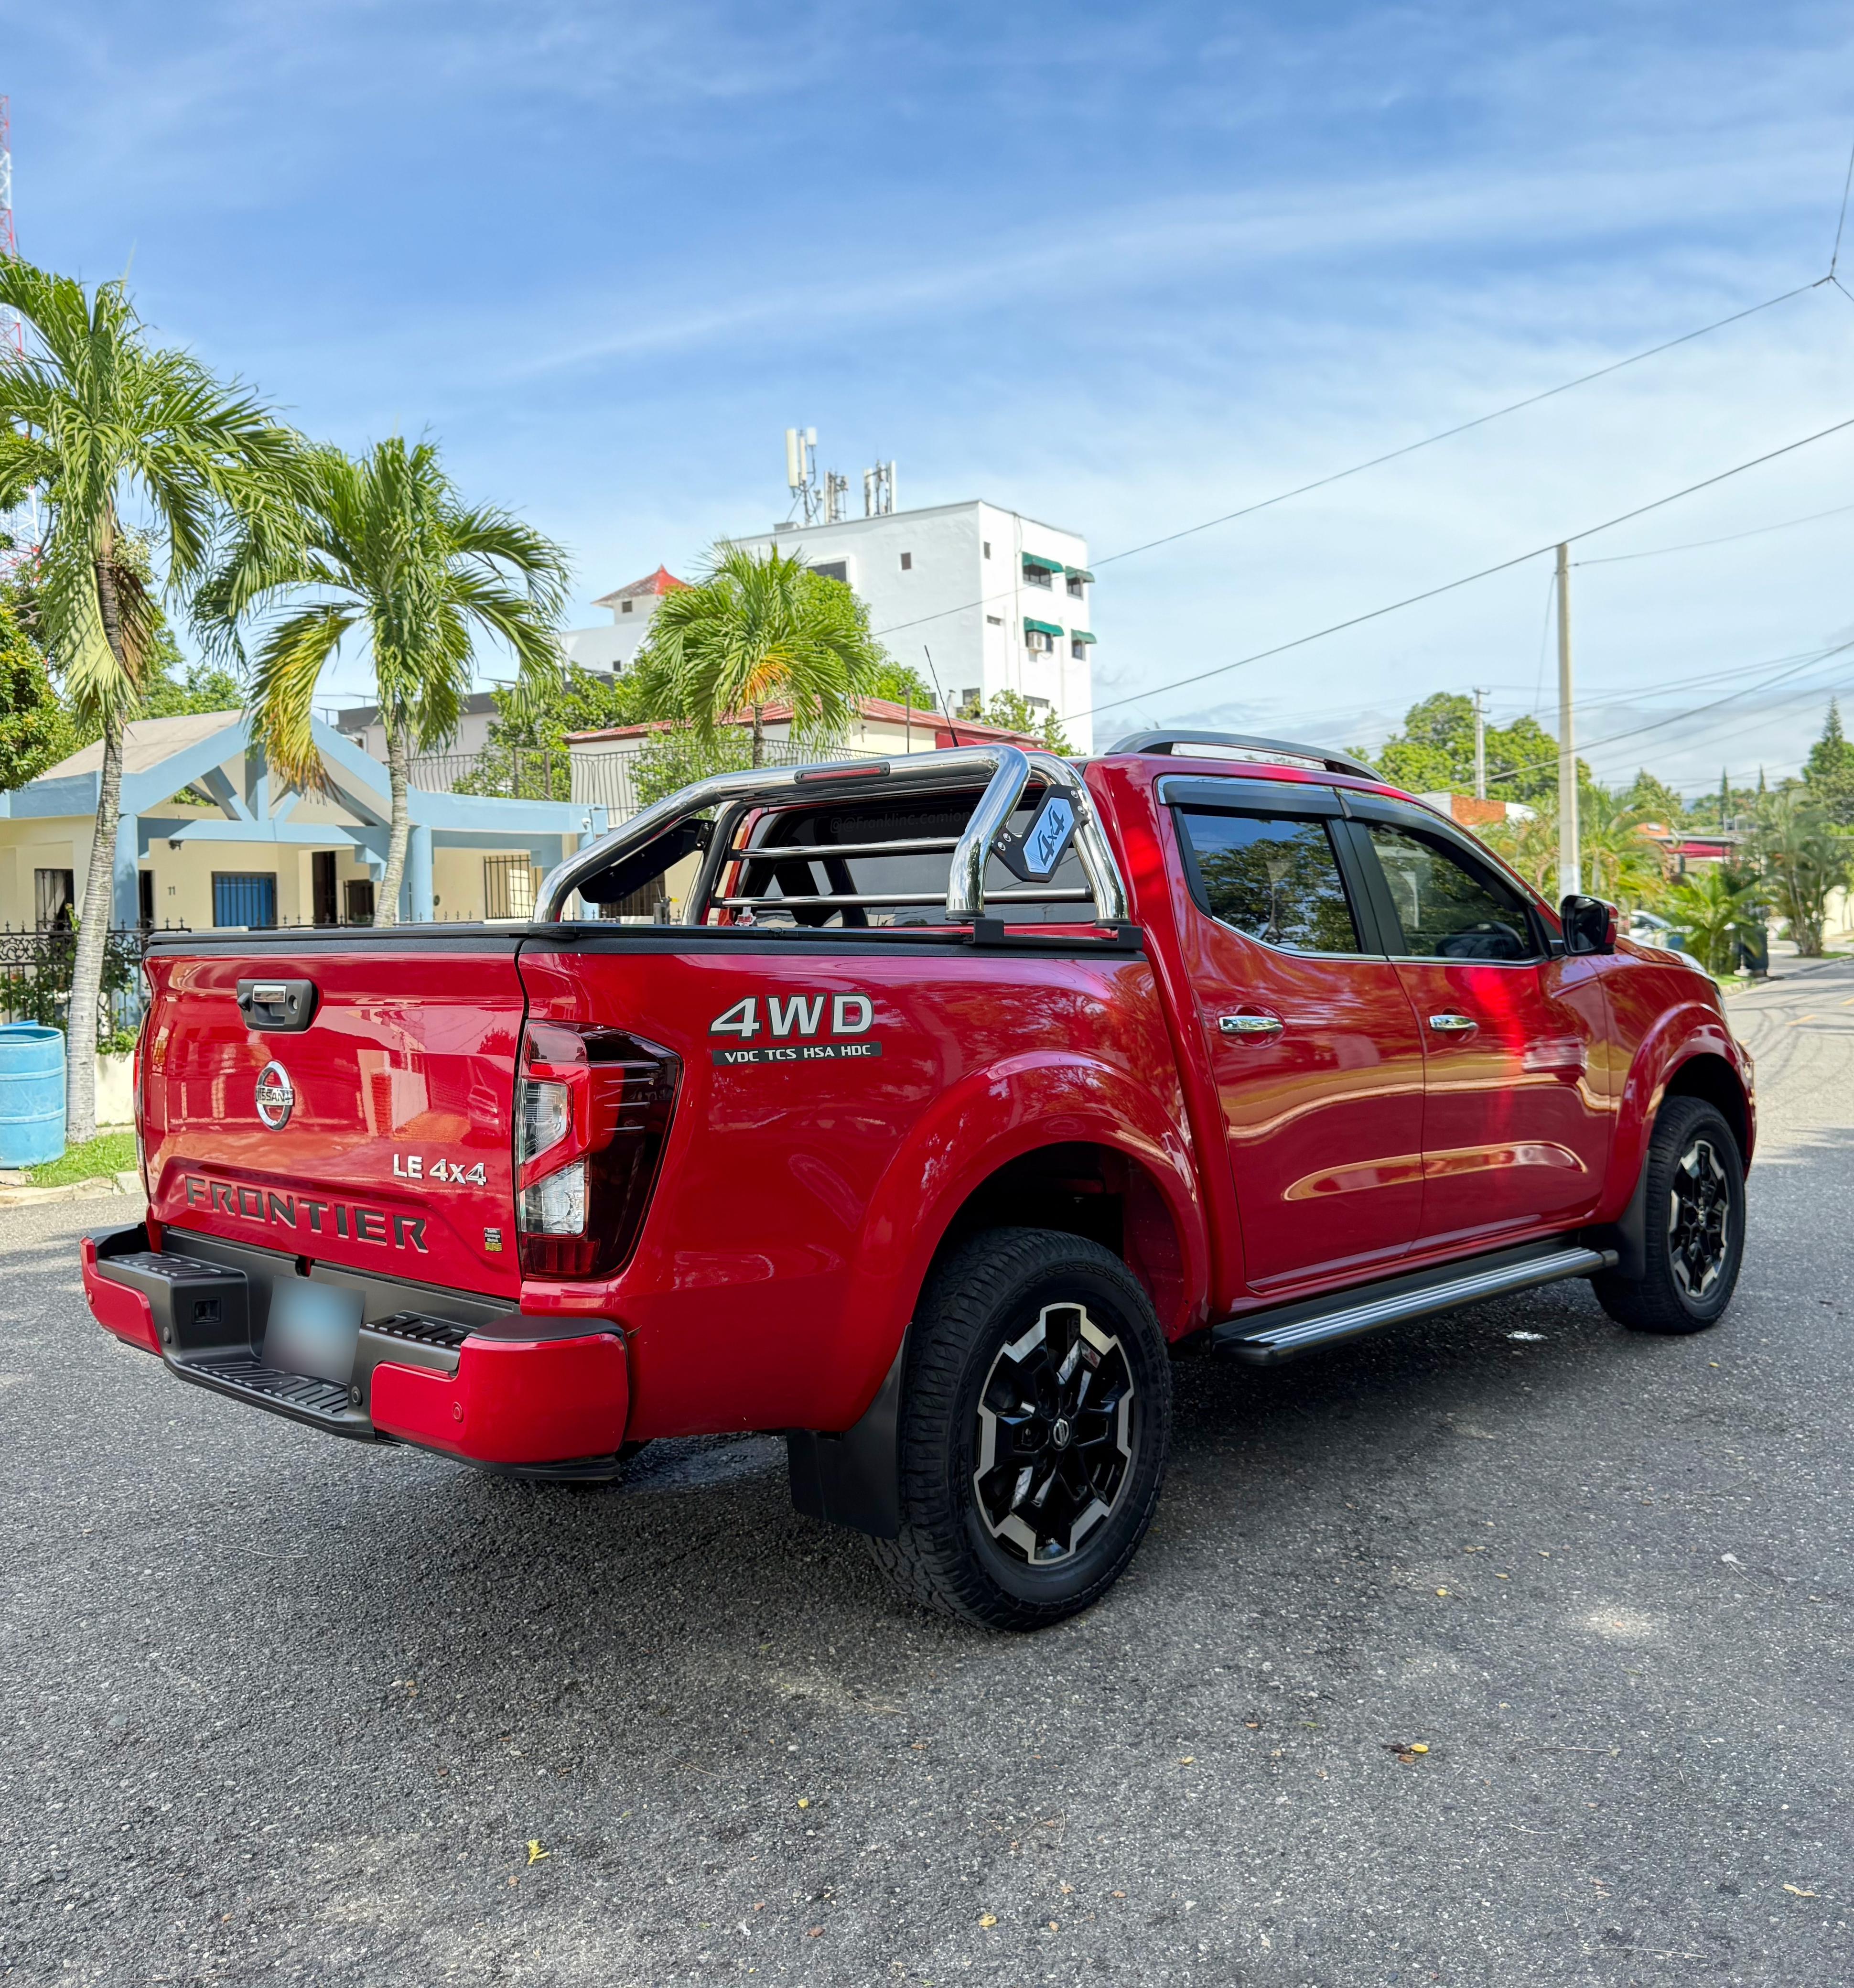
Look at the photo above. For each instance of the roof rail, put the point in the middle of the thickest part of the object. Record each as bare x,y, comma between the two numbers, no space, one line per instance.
1005,770
1243,746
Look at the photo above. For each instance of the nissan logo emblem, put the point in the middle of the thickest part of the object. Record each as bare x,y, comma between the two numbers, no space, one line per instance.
275,1097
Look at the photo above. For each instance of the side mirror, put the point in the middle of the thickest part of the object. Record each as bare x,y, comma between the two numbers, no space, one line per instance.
1589,924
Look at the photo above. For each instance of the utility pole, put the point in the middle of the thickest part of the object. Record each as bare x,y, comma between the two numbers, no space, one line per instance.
1479,746
1570,854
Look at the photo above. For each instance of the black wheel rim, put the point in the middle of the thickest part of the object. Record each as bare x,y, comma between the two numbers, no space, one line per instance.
1699,1219
1057,1427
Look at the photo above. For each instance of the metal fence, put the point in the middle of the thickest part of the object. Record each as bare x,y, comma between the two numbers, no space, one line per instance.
35,970
518,773
609,779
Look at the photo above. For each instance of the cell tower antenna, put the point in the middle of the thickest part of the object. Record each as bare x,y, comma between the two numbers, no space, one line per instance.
12,332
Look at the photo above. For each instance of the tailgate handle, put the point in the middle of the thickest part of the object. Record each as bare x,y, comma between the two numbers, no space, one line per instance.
281,1006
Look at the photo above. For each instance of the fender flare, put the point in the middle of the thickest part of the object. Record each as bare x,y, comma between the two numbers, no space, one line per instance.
990,1118
1676,1039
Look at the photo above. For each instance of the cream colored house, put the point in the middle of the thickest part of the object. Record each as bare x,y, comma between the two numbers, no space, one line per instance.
209,837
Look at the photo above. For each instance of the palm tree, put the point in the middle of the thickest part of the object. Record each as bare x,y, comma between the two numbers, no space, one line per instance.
1712,911
755,631
114,432
384,551
1619,862
1803,859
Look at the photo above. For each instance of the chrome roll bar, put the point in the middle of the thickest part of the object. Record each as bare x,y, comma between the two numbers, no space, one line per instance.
1008,771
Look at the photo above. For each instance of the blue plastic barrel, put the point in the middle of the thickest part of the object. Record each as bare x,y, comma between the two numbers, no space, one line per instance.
32,1094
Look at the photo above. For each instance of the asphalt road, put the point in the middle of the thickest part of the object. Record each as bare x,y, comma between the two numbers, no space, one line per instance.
272,1707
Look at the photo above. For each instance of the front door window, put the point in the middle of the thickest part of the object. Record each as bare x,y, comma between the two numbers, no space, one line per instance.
1517,1113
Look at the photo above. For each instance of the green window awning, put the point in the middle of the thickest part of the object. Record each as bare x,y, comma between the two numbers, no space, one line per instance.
1079,572
1079,635
1048,565
1040,628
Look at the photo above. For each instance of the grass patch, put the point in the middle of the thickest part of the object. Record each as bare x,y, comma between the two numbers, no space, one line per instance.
111,1153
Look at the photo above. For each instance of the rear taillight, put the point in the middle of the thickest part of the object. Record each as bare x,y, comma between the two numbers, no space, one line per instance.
591,1109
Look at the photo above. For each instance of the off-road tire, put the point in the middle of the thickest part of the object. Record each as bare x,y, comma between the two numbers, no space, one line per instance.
982,1301
1688,1132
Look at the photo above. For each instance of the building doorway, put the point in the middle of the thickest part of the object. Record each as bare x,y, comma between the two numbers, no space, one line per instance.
323,897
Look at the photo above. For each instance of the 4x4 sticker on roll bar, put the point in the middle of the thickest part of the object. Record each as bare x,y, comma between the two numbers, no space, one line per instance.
799,1028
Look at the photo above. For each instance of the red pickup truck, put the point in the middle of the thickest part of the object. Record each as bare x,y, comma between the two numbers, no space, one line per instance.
919,1110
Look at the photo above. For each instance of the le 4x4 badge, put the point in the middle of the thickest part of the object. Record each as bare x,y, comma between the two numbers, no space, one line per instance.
796,1029
434,1167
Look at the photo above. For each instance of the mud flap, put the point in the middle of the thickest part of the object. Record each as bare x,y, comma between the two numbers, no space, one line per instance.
853,1480
1628,1236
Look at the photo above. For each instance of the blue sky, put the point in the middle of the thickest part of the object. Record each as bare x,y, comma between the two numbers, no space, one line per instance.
1122,268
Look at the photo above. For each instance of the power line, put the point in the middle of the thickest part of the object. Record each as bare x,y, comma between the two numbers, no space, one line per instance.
1846,185
1628,695
1390,455
1468,579
1695,545
1679,717
1446,435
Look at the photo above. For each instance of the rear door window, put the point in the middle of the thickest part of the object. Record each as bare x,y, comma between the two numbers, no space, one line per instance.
1272,878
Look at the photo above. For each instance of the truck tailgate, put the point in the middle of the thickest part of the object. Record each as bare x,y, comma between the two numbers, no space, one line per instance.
378,1137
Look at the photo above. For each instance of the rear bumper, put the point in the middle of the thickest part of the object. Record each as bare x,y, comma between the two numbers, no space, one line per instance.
500,1389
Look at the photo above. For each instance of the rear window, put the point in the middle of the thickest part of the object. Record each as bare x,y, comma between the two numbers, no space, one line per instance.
791,860
1272,878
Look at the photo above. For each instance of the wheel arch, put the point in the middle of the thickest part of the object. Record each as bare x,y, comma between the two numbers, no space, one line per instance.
1706,1064
1708,1075
1021,1144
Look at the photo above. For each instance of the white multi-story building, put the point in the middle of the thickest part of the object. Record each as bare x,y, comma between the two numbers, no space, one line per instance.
980,598
611,645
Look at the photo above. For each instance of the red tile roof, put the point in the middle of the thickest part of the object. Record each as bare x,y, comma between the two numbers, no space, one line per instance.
951,731
653,584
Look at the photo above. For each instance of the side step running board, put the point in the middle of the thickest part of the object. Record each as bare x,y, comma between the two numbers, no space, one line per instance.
1262,1339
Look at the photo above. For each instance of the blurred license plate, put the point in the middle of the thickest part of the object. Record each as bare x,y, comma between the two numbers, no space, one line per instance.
313,1329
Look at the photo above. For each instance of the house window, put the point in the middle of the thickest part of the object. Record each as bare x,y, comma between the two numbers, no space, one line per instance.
1074,585
54,895
833,569
247,897
624,606
508,887
1078,650
907,562
357,902
995,620
1040,637
1038,576
987,545
144,898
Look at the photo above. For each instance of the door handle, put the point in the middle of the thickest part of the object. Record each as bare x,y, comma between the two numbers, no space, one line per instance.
1251,1026
1453,1025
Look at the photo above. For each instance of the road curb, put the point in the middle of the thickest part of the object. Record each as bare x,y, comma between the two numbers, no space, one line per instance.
96,1188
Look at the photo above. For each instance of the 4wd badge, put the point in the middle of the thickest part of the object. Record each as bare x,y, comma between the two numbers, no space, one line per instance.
795,1022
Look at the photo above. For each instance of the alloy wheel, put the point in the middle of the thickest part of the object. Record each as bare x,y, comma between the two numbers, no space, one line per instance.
1699,1219
1057,1427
